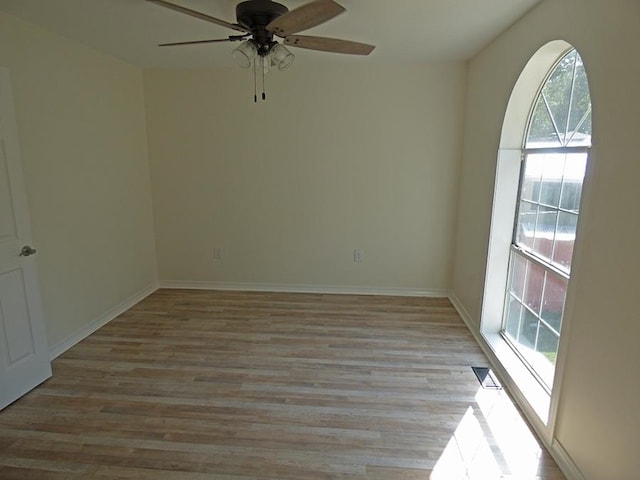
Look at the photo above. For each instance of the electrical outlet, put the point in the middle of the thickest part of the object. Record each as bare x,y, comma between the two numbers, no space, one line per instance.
217,253
358,255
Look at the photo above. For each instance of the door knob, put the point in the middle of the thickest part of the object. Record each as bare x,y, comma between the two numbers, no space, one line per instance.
27,251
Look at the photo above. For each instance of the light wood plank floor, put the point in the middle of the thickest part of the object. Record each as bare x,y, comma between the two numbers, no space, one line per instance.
229,385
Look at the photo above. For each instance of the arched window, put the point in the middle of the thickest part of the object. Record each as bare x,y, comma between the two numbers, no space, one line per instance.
554,160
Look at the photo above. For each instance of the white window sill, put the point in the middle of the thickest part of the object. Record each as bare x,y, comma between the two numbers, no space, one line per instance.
533,392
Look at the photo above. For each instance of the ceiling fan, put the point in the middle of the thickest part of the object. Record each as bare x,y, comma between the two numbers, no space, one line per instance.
258,21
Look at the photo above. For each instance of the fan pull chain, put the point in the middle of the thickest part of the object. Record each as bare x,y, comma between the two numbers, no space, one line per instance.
264,95
258,63
255,81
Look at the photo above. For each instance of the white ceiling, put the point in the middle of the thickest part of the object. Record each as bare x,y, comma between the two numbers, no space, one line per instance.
403,31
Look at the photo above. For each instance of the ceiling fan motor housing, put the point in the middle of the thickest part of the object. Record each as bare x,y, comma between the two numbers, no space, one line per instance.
255,15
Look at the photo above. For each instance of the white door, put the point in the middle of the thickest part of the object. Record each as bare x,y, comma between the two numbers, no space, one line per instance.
24,355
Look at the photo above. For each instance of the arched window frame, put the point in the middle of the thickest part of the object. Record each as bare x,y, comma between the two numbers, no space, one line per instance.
554,161
538,402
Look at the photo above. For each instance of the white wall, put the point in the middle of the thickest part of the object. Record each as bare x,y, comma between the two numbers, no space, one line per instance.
598,422
82,134
337,159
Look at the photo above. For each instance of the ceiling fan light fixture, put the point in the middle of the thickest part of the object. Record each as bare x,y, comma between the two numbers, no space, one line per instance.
245,53
263,65
281,56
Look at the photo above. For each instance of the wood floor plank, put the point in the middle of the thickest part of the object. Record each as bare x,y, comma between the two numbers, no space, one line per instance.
194,385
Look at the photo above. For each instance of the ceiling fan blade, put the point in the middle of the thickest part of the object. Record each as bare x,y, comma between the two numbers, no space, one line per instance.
201,16
196,42
325,44
305,17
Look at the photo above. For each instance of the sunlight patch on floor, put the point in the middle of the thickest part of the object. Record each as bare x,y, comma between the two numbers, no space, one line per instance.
492,441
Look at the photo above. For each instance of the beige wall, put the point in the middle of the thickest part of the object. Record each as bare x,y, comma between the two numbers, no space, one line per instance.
82,134
357,157
598,422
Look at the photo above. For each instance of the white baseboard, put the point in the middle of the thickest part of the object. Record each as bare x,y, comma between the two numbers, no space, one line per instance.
555,449
268,287
562,458
463,312
61,347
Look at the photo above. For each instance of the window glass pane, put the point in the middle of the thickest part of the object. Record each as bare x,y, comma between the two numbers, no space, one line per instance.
528,329
574,171
562,113
534,329
514,310
582,135
571,192
552,173
542,133
533,168
580,115
547,343
556,179
517,276
555,289
550,192
565,240
545,232
557,92
526,225
533,286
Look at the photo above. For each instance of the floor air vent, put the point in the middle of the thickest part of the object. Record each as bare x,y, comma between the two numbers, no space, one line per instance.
487,378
